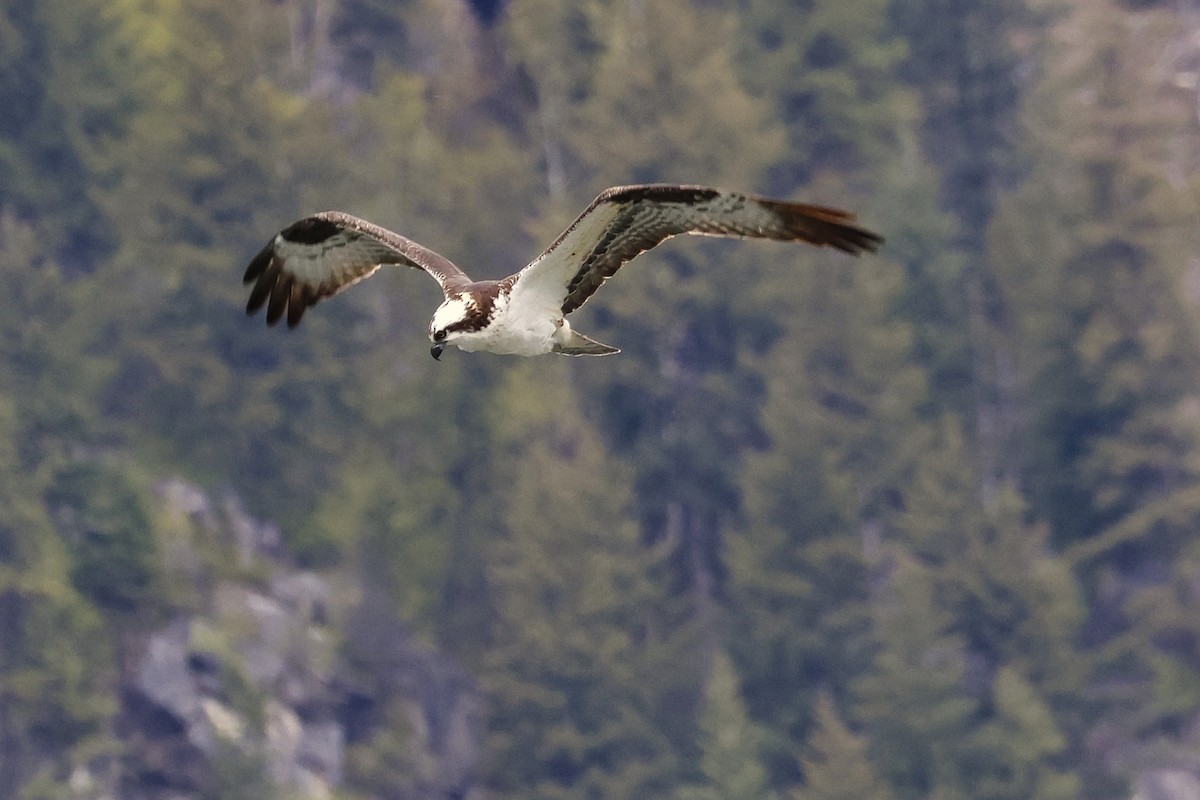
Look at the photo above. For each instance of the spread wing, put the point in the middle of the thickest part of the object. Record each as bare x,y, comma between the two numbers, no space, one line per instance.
627,220
321,255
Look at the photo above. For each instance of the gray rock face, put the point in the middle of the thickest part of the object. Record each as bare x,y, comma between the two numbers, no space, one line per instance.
164,677
1167,784
260,674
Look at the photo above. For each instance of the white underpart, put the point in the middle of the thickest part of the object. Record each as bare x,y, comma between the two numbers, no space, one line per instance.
529,321
543,284
514,330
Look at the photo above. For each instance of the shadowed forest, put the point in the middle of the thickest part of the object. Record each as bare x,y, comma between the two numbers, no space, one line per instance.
913,526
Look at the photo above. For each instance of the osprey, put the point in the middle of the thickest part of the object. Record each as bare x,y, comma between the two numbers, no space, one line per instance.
525,313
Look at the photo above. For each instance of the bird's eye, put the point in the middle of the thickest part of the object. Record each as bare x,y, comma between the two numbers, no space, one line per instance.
439,335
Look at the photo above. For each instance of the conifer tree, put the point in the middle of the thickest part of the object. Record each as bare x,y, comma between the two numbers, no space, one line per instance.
967,59
1108,354
686,432
843,414
68,89
1105,340
581,674
1001,613
838,764
56,663
557,47
420,493
730,762
205,174
829,71
913,700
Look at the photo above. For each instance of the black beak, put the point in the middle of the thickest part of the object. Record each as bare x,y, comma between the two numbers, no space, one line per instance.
436,350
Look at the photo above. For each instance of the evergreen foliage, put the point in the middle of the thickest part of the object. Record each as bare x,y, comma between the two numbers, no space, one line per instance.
729,741
913,526
838,766
1110,431
575,676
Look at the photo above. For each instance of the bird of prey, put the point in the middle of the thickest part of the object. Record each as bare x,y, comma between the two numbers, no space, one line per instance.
525,313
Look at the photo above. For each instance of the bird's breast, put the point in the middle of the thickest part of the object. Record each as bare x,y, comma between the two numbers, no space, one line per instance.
514,329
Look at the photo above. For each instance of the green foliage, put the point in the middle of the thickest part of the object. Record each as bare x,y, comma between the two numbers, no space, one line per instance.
687,403
385,763
1104,335
56,678
50,376
204,162
991,661
102,520
1022,744
1107,344
838,765
966,57
912,526
67,89
817,500
239,775
828,69
912,700
729,742
576,675
56,655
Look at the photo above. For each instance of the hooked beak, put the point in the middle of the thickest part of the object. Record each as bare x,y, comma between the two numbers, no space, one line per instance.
436,350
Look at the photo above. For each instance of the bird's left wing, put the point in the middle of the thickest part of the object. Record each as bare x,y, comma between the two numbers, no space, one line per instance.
627,220
321,255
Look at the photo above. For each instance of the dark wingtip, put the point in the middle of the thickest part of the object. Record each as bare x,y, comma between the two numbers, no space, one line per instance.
857,241
281,293
301,297
839,231
265,275
259,263
278,300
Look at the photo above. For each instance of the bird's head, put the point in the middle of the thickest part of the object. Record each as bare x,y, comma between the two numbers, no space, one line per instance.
448,322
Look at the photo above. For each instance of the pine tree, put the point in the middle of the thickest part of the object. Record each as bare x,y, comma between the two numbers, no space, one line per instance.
828,69
1108,354
580,673
557,46
197,188
686,432
418,493
979,588
967,59
1019,748
56,664
1111,359
68,89
843,414
838,765
912,700
730,762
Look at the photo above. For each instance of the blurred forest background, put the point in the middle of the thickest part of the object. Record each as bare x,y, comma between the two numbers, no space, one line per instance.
913,526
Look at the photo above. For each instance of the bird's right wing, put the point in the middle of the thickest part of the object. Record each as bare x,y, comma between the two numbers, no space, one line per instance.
321,255
625,221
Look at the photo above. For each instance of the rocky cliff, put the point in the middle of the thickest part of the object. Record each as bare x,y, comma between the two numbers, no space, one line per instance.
280,683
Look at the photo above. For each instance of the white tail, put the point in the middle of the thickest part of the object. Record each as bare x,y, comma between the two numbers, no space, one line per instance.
577,344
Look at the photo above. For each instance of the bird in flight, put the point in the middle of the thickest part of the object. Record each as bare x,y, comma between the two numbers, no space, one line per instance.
525,313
